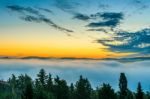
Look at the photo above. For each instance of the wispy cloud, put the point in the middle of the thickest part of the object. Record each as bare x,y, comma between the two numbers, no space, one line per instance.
103,6
21,9
140,4
66,5
109,19
137,42
80,16
30,18
27,15
102,30
45,9
137,7
101,21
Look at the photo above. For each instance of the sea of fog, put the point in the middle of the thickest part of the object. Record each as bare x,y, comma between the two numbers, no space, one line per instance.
97,71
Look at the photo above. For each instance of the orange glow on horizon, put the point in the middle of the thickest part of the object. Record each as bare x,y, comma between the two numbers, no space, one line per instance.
55,47
60,52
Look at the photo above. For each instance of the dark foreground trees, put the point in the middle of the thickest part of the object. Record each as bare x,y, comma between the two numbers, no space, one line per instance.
139,94
123,86
83,89
106,92
47,87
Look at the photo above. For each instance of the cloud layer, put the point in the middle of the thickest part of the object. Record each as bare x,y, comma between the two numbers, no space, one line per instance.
96,71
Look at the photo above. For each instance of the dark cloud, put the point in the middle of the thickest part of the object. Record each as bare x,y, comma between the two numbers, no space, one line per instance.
109,19
30,18
43,19
66,5
140,4
106,19
102,30
104,6
112,15
137,7
23,9
37,17
138,42
45,9
85,17
81,17
109,23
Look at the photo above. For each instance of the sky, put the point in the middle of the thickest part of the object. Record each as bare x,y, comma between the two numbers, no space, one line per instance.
75,28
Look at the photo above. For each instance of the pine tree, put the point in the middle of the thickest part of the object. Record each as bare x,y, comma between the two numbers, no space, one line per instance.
42,77
13,83
106,92
71,92
28,88
41,86
61,89
49,85
139,94
83,89
130,95
123,86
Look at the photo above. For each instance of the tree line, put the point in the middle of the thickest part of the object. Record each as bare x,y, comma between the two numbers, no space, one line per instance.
47,87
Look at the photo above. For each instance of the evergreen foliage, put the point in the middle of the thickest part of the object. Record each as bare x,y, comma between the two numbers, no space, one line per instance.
47,87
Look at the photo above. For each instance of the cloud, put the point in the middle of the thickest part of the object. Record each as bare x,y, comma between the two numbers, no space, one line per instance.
140,4
104,20
109,23
137,42
27,15
112,15
104,6
30,18
137,7
45,9
21,9
102,30
43,19
100,19
109,19
81,17
66,5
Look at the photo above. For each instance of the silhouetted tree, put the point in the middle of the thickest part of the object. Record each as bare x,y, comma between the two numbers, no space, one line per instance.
130,95
25,88
106,92
139,94
147,95
123,86
28,93
49,84
94,94
61,89
42,77
71,91
43,85
83,89
13,83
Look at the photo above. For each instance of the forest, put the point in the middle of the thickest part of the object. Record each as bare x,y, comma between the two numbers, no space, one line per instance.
47,87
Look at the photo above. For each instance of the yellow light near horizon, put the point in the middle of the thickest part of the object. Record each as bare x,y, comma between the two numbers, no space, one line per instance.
57,51
58,45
